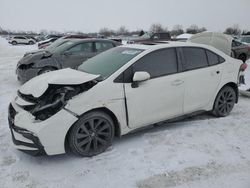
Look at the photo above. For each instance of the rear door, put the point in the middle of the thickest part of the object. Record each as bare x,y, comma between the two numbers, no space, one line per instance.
77,54
202,75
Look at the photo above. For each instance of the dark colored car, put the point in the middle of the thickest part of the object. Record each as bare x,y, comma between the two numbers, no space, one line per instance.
71,53
57,43
240,50
45,43
151,37
245,38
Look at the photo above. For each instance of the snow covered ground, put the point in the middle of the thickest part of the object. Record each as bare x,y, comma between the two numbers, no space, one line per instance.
200,152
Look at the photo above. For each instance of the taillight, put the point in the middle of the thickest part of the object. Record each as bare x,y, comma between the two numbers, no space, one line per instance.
243,67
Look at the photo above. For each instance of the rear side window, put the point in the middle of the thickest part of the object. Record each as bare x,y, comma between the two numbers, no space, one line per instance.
158,63
213,58
194,58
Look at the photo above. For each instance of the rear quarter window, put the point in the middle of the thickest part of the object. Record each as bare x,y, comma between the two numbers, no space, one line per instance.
213,58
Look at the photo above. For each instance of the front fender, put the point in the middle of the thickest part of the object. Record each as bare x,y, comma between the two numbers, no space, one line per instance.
48,62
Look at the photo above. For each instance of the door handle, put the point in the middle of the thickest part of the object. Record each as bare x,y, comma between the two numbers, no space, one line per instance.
177,82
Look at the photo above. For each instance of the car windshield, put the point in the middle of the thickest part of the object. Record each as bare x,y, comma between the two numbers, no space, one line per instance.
61,48
55,44
109,61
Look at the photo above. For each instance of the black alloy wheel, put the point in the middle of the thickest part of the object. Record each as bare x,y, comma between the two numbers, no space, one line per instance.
92,134
224,102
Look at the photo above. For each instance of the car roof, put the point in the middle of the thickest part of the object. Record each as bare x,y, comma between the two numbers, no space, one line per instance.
88,40
164,44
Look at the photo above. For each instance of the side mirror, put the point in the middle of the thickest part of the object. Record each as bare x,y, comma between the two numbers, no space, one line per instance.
67,53
140,76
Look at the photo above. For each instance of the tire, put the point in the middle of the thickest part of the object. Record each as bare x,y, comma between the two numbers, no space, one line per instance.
224,102
31,42
14,43
92,134
46,69
243,57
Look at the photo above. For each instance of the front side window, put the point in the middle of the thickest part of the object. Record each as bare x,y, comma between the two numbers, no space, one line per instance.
81,48
158,63
103,46
194,58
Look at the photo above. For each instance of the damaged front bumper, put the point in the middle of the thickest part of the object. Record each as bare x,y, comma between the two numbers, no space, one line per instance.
39,137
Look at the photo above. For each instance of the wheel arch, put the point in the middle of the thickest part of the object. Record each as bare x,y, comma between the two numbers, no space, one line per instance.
117,131
47,67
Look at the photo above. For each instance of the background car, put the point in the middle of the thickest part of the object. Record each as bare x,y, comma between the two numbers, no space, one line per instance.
240,50
223,42
21,40
45,43
68,53
119,91
151,37
57,43
245,39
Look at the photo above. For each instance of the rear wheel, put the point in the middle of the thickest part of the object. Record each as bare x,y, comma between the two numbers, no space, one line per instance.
224,102
92,134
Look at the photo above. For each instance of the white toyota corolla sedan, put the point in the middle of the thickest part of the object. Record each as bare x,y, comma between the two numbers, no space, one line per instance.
118,91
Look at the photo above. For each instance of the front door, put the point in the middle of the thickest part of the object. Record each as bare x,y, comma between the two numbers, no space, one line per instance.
77,54
160,97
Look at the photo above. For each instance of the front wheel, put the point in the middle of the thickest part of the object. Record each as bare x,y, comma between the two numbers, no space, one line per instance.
92,134
45,70
31,43
224,102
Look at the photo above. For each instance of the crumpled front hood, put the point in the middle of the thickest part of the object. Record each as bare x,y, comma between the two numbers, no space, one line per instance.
34,52
30,58
38,85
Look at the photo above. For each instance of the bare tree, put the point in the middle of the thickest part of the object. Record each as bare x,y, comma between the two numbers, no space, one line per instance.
193,29
106,32
177,30
234,30
122,30
156,28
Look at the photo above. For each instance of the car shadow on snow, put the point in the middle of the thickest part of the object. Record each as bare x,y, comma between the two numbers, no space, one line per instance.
118,142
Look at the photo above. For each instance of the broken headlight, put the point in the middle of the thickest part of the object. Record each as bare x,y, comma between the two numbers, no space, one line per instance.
52,102
54,99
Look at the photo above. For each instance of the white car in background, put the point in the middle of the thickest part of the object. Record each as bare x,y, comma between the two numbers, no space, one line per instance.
21,40
118,91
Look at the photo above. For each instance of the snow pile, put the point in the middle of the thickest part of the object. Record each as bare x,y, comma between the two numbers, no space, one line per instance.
198,152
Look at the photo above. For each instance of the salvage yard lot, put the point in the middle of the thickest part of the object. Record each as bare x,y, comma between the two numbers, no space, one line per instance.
197,152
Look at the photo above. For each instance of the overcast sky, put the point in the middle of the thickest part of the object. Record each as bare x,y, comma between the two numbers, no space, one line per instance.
91,15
